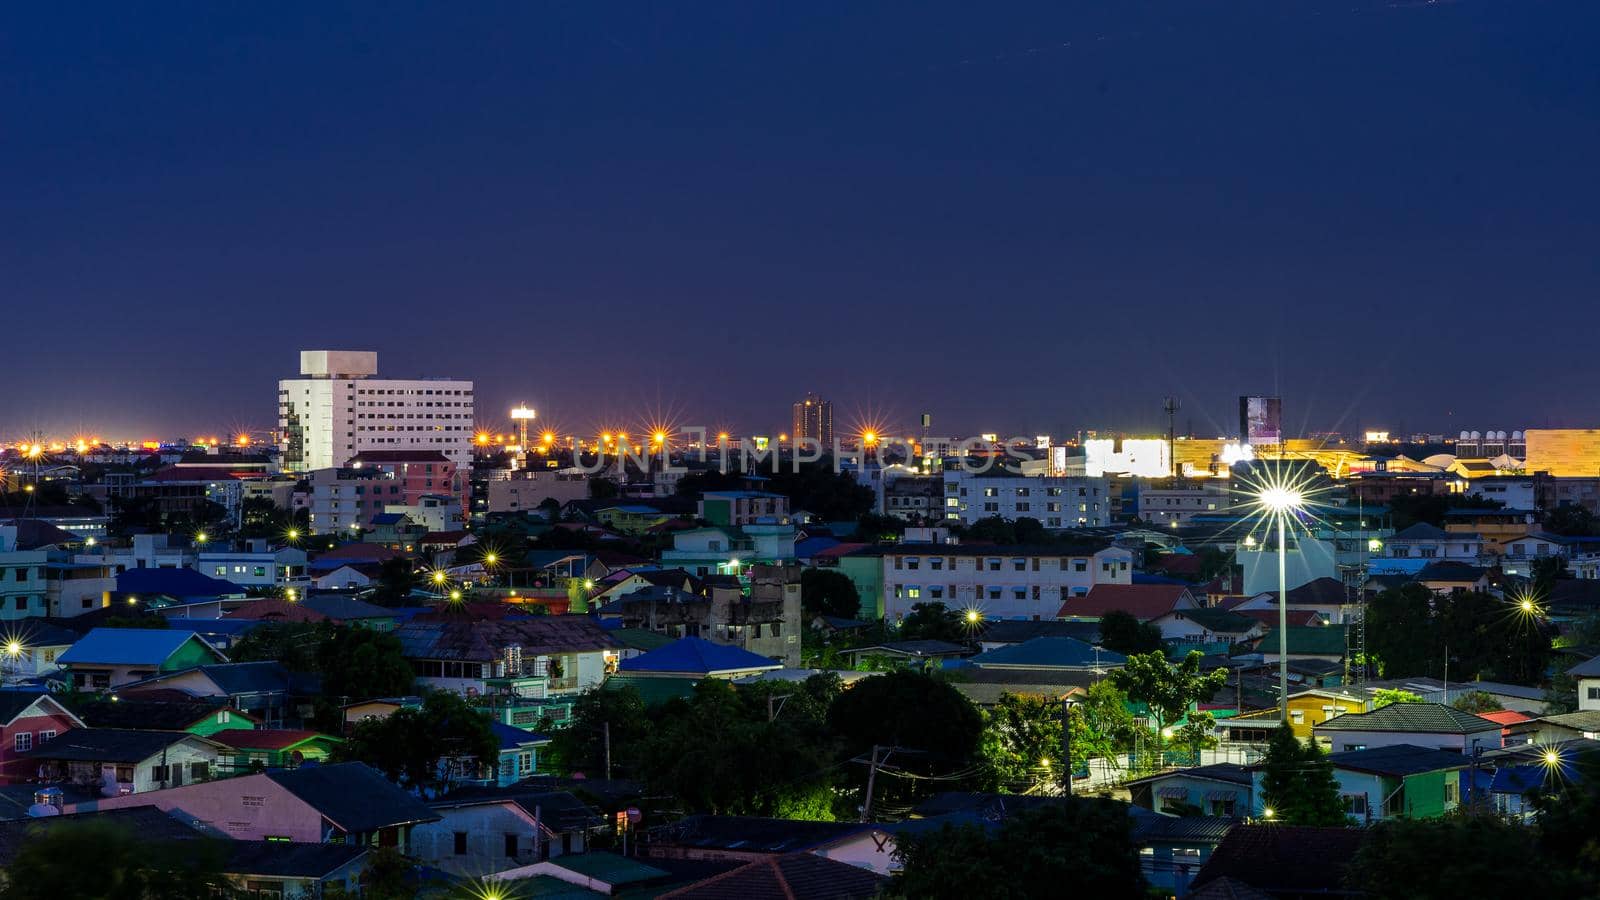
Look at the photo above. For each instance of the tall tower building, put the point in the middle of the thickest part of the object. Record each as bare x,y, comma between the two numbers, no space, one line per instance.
813,418
338,407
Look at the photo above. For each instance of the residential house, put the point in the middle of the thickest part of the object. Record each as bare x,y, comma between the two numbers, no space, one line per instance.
1145,602
1450,577
166,711
760,613
122,761
1587,674
273,748
1207,627
1281,861
30,719
1220,789
274,869
1172,850
696,658
1314,642
595,874
999,633
1554,729
1494,526
752,838
256,565
347,610
1422,544
32,648
484,830
1433,725
1399,781
1051,653
900,653
1329,598
519,753
160,588
741,508
347,803
265,690
111,657
545,655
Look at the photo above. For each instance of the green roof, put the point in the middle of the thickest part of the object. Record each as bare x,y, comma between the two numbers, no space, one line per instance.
1319,640
641,638
608,867
1425,718
546,887
654,691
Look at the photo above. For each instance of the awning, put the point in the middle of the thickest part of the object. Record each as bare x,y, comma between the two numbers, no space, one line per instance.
1221,795
1175,793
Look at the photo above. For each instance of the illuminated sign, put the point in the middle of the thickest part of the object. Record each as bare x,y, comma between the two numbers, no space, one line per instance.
1142,457
1232,453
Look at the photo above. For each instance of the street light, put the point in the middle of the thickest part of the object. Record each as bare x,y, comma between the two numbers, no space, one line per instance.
1280,496
200,537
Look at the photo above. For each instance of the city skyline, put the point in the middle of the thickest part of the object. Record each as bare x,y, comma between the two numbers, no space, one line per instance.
1128,212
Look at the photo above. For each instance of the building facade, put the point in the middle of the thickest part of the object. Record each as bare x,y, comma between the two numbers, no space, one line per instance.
1056,501
997,582
338,408
813,420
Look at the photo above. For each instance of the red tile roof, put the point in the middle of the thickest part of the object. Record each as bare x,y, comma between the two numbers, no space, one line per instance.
1143,601
262,738
1506,716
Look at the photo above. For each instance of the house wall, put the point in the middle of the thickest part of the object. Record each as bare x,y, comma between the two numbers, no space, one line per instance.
1338,741
247,808
870,850
1588,693
922,574
1426,796
13,769
1196,791
486,827
192,653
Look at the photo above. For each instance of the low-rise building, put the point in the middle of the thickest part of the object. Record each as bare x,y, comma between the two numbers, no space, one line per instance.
29,719
112,657
117,761
998,582
481,831
1057,502
543,656
1432,725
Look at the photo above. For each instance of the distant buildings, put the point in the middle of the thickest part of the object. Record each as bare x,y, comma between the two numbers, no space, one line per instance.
1055,501
338,409
813,420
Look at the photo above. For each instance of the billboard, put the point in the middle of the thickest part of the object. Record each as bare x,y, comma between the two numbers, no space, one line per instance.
1261,420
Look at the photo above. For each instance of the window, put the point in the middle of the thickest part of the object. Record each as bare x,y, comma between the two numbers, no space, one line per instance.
511,845
1222,807
47,735
224,717
461,843
158,773
200,771
1594,693
1452,792
1355,804
1297,716
23,741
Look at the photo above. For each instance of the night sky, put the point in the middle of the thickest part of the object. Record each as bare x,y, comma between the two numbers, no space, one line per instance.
1018,217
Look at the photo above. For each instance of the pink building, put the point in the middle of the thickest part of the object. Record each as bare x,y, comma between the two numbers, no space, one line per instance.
31,718
417,473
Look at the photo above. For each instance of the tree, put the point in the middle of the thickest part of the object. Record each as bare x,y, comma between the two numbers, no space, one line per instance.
579,748
1082,843
993,529
818,489
1384,696
1022,742
824,592
1572,520
104,861
936,729
388,876
429,747
395,581
1298,784
1460,855
359,663
1167,689
1028,530
1401,632
1123,633
602,488
1477,702
932,622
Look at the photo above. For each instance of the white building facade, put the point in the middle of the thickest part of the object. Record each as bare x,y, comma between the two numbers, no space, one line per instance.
997,582
1056,501
338,407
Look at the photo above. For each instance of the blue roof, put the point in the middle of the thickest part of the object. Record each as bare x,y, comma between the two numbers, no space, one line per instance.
511,738
388,518
811,546
1049,653
697,656
127,646
180,583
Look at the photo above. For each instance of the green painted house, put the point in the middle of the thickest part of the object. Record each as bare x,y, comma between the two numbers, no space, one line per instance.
273,748
111,657
202,716
1399,781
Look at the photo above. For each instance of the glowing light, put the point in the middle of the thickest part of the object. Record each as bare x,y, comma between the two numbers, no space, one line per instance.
588,584
1249,540
1281,499
14,648
438,577
974,617
90,542
722,435
290,595
869,438
1552,758
659,437
491,558
1374,545
1527,606
132,600
549,437
200,537
294,534
1268,813
482,438
455,594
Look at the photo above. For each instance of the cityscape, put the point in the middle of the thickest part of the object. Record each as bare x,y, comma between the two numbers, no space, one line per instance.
725,451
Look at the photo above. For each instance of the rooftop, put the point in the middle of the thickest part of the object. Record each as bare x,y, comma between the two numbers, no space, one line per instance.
127,646
1399,759
352,795
1049,653
1422,718
698,656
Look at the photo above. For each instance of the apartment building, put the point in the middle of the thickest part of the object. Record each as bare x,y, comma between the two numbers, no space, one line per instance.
1057,501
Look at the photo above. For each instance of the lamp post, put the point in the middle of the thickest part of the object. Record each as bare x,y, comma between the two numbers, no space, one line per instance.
1066,747
1282,501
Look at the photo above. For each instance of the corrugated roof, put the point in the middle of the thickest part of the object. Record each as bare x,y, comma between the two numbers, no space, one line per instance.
486,641
1049,653
698,656
127,646
353,796
788,877
1142,601
180,583
109,745
1421,718
1398,759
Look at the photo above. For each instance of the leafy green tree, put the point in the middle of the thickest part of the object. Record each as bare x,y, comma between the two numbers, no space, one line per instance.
602,488
360,663
1123,633
580,746
1298,784
55,862
1029,530
824,592
993,529
1384,696
1102,724
1457,856
1022,741
932,622
1477,702
1085,844
1562,694
1401,631
935,727
1573,520
818,489
1168,689
442,742
388,876
395,581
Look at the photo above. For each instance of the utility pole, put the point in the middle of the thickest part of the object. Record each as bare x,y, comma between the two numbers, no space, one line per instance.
1170,407
608,750
1066,749
872,778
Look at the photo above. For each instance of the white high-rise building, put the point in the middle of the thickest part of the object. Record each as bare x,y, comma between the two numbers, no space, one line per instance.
338,408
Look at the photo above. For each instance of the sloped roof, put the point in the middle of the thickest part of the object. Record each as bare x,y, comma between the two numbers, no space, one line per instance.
163,714
353,796
1398,759
511,737
267,677
1421,531
1142,601
1422,718
14,703
608,868
1321,640
34,534
641,638
1226,888
342,607
272,609
1049,653
697,656
181,583
1232,773
1015,631
1319,592
1451,572
1221,621
265,738
1283,859
1303,618
755,834
123,745
485,641
36,633
1587,669
280,859
127,646
149,822
792,876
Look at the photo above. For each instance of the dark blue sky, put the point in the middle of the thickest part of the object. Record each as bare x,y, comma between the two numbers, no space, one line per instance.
1030,217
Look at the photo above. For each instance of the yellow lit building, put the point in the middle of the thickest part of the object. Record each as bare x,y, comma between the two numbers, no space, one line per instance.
1563,452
